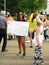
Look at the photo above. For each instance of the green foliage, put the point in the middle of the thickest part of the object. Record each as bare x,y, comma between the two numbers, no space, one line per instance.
28,6
1,5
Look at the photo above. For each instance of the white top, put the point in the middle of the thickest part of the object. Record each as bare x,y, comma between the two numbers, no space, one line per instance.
35,42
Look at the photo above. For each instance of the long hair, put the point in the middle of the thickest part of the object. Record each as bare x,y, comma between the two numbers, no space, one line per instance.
34,16
22,16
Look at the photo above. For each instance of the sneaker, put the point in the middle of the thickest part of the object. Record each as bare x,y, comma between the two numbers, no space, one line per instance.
31,46
24,54
19,54
35,63
43,62
4,50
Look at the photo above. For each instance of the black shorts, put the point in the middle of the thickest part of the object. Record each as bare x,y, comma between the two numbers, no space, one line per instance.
32,34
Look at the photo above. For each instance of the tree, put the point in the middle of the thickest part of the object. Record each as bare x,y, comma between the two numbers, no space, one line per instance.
32,5
1,5
42,4
28,6
12,6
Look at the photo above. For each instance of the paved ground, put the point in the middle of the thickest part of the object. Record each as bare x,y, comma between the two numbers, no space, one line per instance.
10,57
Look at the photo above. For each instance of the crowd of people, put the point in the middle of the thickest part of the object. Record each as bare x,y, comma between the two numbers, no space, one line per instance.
38,25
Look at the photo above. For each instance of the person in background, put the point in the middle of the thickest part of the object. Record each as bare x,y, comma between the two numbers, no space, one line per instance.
3,31
21,39
11,19
45,20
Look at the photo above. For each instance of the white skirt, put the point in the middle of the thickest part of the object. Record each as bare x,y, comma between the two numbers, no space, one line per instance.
35,42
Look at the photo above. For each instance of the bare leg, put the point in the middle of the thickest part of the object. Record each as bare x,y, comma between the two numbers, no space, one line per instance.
23,45
19,43
30,39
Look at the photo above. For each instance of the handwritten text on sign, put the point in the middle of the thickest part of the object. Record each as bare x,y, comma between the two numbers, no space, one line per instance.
18,28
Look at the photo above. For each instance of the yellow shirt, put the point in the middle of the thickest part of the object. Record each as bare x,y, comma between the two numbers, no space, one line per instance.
32,24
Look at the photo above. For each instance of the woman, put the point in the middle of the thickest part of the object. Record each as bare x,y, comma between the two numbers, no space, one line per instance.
21,39
32,25
38,39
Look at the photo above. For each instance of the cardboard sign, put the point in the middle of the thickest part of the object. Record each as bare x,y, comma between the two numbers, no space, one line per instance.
18,28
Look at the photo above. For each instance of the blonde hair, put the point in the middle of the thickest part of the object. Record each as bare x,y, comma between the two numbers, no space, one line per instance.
39,24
